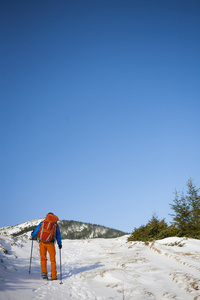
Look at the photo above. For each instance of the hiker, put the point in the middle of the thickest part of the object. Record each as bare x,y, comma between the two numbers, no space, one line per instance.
47,231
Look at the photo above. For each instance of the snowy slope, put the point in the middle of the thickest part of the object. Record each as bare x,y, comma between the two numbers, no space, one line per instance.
14,230
104,269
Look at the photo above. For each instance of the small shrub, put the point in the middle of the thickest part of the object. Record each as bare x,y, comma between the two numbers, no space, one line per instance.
179,244
154,230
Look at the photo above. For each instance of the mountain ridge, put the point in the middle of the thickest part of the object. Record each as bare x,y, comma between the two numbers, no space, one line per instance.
69,230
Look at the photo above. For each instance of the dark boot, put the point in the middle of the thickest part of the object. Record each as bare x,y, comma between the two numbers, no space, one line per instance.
44,276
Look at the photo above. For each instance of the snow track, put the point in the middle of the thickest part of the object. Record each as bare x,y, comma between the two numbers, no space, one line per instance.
101,269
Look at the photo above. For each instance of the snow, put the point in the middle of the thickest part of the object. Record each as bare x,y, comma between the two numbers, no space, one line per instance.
98,269
11,230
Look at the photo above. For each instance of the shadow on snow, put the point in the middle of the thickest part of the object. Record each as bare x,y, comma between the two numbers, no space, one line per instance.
77,270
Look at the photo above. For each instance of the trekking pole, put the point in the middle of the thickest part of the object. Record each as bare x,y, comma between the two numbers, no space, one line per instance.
31,257
60,269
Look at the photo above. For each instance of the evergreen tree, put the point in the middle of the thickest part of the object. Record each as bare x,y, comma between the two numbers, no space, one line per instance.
186,219
156,226
153,230
181,214
193,200
186,216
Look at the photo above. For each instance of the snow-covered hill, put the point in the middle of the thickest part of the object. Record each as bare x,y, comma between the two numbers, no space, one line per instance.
22,230
103,269
69,230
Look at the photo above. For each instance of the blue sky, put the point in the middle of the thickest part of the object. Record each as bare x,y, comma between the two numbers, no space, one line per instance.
99,112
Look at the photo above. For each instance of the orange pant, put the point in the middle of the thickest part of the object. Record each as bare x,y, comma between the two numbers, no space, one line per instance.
50,247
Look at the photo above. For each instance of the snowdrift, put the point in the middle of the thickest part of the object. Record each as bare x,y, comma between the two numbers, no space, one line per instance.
104,269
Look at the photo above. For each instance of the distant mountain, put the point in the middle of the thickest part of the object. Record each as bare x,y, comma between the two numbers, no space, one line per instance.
69,230
80,230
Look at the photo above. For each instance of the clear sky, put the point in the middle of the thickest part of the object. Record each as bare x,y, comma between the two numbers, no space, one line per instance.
100,104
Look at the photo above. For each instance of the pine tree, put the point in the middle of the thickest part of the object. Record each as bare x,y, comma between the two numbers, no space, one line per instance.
153,230
193,199
181,214
186,216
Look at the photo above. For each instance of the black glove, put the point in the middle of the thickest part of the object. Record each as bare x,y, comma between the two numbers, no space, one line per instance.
33,237
60,246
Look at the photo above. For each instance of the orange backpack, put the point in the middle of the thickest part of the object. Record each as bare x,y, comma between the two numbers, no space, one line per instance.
48,227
